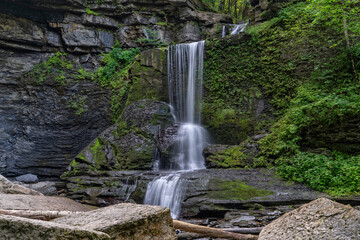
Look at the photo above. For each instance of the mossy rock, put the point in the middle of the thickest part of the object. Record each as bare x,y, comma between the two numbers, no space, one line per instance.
234,190
127,145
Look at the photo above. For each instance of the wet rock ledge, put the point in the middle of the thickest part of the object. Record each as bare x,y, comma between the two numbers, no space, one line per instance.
215,197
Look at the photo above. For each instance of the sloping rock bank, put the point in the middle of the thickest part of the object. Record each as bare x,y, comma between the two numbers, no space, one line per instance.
225,197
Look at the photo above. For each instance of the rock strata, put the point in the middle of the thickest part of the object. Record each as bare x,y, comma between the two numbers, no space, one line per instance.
40,133
319,219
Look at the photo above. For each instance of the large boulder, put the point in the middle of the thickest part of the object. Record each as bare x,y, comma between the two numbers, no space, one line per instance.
232,156
28,229
27,178
125,221
319,219
41,203
129,144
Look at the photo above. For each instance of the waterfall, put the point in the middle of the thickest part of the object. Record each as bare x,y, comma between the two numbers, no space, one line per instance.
146,33
185,73
223,31
239,28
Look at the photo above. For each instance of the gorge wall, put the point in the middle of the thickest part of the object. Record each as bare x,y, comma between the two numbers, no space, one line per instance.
47,120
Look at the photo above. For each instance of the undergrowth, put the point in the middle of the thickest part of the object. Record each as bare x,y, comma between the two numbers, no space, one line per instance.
303,68
114,74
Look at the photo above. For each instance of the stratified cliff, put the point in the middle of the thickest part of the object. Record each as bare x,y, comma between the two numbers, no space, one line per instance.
46,122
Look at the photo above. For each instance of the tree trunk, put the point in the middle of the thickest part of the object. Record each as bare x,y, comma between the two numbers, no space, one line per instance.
211,232
347,39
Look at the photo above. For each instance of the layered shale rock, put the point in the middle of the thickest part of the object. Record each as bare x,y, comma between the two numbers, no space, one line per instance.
43,123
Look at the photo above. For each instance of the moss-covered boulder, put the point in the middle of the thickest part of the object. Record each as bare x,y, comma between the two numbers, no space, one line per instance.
127,145
233,156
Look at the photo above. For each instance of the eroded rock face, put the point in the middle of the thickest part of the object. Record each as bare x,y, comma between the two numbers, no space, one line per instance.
39,132
126,221
92,26
319,219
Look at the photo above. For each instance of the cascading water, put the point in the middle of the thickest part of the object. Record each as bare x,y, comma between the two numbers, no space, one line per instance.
223,33
234,28
185,72
239,28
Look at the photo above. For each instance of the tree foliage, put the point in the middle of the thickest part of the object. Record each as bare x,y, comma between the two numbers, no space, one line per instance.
233,7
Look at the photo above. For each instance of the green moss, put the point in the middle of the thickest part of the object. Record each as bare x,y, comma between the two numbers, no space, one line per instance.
98,151
91,12
77,103
268,63
57,68
161,23
232,157
234,190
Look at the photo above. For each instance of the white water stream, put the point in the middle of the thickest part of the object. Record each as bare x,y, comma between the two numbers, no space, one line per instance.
238,28
185,73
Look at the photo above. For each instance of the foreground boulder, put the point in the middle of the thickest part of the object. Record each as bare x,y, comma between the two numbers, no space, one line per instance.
28,229
319,219
7,187
125,221
41,203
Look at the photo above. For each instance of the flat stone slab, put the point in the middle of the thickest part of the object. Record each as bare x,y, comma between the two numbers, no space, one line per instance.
125,221
29,229
43,203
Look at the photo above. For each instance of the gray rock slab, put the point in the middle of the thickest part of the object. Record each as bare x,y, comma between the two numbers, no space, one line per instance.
27,178
126,221
46,187
7,187
29,229
319,219
29,202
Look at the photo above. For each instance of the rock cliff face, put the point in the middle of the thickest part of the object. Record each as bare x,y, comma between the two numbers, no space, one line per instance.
39,132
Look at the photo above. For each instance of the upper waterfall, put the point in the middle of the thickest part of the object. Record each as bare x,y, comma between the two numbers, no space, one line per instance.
185,72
